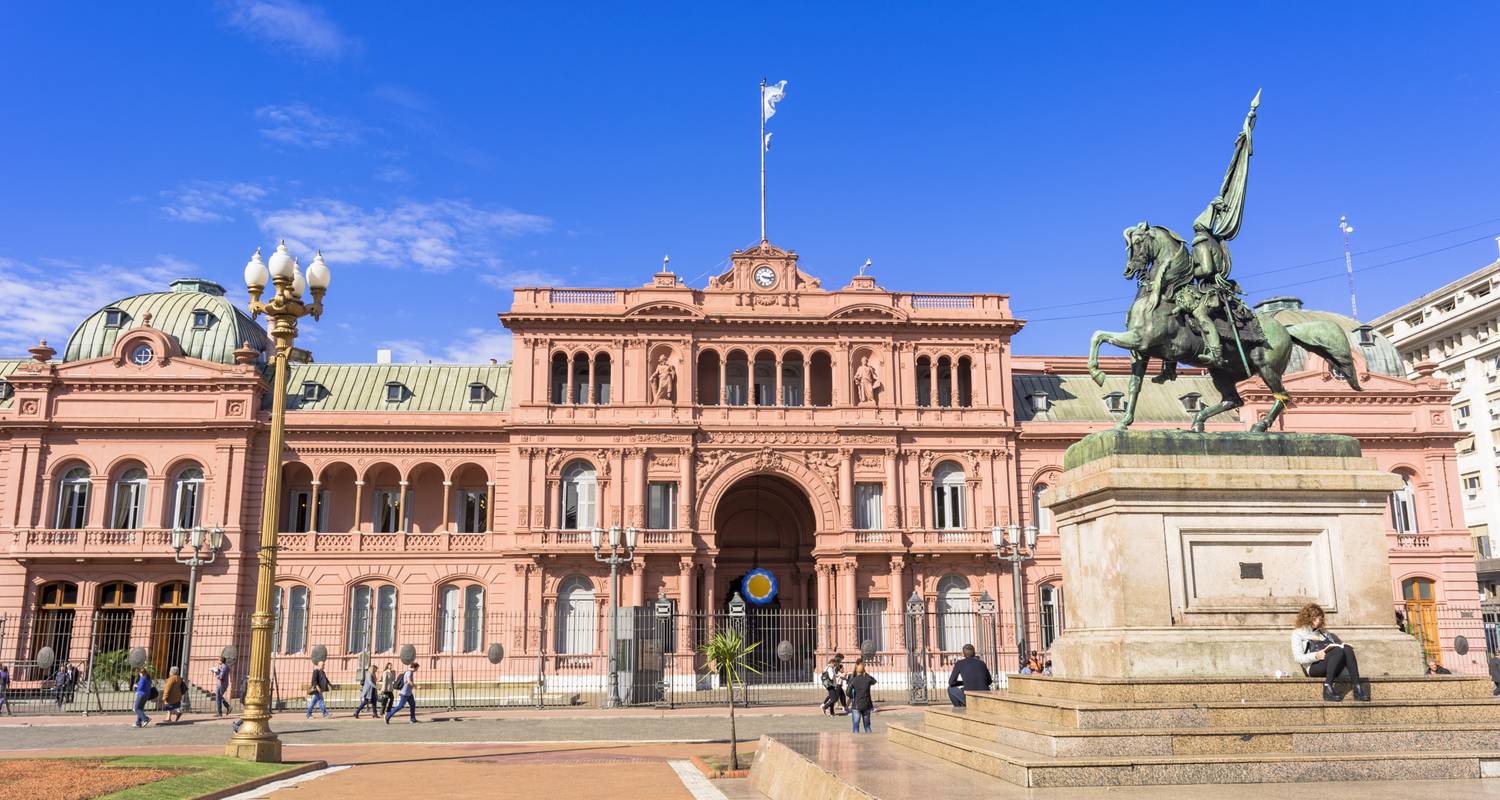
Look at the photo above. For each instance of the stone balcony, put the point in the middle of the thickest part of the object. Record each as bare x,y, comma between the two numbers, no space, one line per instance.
80,542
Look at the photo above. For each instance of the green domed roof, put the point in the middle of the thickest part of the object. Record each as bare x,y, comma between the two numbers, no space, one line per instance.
1380,355
210,337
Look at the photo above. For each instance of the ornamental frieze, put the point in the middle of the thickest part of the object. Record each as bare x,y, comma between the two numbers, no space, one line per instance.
769,437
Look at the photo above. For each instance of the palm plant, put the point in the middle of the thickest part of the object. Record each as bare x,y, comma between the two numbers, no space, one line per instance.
725,652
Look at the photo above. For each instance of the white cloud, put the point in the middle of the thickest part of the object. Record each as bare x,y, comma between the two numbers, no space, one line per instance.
475,346
519,279
48,302
208,201
306,29
300,125
437,235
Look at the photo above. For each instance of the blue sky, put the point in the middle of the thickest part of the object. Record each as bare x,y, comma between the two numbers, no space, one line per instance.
441,154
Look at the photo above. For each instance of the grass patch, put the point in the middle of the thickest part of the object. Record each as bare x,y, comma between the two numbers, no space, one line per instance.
198,775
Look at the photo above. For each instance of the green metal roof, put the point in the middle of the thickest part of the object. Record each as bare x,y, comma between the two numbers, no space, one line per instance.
7,366
1076,398
172,313
1382,357
428,387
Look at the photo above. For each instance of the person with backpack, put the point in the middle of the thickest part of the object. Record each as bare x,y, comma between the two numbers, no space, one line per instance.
315,689
832,678
145,690
407,686
369,694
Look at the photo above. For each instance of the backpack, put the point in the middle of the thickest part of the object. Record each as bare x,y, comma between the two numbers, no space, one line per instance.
400,682
827,681
154,693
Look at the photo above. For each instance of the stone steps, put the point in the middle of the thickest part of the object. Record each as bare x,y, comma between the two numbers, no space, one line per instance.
1056,741
1209,690
1025,768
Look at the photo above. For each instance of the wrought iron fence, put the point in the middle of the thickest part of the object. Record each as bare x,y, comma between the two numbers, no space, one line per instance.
1461,639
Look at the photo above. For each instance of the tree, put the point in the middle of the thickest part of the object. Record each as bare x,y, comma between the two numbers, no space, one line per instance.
727,655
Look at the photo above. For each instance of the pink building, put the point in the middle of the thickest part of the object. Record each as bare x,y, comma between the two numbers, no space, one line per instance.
857,443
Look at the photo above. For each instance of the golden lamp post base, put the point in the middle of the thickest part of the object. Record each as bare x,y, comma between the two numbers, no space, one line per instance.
265,750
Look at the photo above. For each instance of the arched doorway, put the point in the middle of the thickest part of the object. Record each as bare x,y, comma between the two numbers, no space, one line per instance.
764,521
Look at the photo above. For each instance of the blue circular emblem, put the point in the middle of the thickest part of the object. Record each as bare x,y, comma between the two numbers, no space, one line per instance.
759,586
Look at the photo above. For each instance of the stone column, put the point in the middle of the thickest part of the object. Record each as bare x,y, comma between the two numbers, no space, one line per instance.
569,381
776,381
591,395
552,516
637,457
825,607
710,591
895,607
685,490
401,507
636,595
848,603
891,492
312,522
846,487
685,610
447,504
359,506
932,392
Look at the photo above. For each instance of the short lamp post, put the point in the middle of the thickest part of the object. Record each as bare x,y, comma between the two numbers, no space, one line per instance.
254,740
204,548
616,557
1016,545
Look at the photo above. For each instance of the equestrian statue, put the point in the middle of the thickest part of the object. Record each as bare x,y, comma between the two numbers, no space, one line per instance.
1187,309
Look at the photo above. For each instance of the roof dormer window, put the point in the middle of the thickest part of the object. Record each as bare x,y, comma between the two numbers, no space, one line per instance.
1115,401
1040,402
478,393
396,392
114,318
6,390
312,391
1192,402
202,320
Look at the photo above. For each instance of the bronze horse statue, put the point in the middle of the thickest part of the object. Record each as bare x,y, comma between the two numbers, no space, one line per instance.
1153,329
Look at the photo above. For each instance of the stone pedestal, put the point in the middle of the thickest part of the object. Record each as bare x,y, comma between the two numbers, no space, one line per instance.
1189,555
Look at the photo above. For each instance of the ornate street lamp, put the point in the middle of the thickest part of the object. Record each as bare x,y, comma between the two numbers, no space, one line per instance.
614,560
254,740
1018,548
204,549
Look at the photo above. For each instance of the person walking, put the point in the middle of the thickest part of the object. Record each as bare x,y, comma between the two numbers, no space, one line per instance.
407,685
221,687
315,689
1322,655
832,678
369,693
171,695
5,690
861,702
143,691
387,689
969,674
60,686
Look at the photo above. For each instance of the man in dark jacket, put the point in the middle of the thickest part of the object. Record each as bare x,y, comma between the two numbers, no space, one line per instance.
968,673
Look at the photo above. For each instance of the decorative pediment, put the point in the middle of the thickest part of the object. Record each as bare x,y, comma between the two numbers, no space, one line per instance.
868,311
665,308
764,268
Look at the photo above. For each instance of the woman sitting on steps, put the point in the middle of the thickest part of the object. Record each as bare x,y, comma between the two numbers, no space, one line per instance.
1322,655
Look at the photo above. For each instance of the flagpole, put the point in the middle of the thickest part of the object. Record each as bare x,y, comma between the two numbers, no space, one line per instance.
763,159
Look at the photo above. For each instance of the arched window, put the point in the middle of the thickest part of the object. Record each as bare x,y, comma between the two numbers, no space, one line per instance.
372,618
57,603
580,379
765,378
575,616
115,616
948,496
601,379
168,625
708,378
579,497
290,634
187,497
1040,516
73,498
460,617
1404,506
945,382
924,381
965,381
955,621
130,500
558,391
736,379
792,379
820,381
1050,613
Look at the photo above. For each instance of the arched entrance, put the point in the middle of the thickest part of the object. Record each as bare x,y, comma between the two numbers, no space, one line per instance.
764,521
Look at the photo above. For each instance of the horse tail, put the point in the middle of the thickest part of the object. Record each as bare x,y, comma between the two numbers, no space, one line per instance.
1329,341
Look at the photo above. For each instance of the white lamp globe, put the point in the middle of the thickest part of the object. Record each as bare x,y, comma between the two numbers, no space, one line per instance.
256,274
318,274
281,263
299,284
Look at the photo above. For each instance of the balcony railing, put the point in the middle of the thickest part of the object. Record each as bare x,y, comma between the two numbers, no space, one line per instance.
382,542
94,541
1411,540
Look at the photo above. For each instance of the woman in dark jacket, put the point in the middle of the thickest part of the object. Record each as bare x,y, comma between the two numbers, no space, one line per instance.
861,702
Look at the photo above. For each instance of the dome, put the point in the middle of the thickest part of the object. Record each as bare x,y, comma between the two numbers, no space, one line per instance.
1381,357
193,311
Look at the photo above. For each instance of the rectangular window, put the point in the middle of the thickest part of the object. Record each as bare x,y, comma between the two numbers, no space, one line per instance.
473,511
448,613
299,511
1481,547
387,514
385,619
578,505
114,318
948,507
359,620
867,506
661,505
473,619
870,622
1471,487
1461,414
73,505
129,497
477,393
296,621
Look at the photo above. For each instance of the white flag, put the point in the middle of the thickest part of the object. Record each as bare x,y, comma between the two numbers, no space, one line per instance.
768,142
770,96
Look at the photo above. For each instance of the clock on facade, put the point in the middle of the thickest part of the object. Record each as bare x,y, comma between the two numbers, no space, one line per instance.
765,277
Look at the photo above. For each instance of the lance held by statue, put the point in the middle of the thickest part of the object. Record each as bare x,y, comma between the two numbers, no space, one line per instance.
1187,309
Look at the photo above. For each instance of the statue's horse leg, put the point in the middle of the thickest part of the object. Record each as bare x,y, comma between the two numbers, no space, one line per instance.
1126,340
1229,398
1272,377
1138,366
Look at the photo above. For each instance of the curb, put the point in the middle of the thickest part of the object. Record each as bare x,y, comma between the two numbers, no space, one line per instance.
229,791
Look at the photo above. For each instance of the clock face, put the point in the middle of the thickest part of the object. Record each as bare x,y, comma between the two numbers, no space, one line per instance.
765,277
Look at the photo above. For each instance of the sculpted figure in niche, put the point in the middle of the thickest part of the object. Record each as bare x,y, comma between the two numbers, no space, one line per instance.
663,381
866,383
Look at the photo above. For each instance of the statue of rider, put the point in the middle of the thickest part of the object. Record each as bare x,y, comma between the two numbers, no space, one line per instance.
1210,293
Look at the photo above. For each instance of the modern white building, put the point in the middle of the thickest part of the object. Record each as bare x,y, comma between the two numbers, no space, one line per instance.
1454,333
